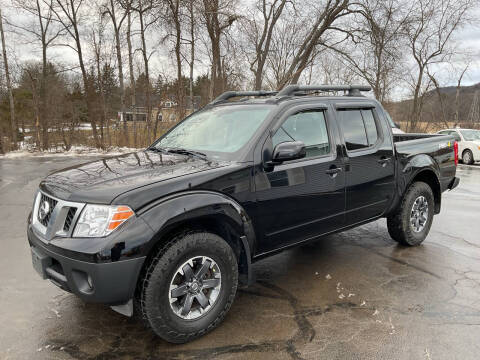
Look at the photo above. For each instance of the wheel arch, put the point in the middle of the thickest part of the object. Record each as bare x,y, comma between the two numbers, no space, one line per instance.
429,177
203,211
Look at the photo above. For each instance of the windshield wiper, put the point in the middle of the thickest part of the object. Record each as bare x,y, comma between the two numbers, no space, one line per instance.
186,152
156,149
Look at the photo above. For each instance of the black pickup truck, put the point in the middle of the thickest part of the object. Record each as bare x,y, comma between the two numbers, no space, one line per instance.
169,232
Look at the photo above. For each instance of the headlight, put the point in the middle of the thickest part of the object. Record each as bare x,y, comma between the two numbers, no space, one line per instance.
101,220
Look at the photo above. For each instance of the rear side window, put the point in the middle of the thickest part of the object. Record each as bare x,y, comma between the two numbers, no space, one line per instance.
359,128
307,126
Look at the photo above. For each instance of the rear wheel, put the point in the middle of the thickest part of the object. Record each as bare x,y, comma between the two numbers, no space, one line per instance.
467,157
189,286
411,222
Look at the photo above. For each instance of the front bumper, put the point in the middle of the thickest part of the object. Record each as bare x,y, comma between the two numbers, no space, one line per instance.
110,283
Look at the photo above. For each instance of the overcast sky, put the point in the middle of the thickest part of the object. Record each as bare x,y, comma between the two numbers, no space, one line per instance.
466,39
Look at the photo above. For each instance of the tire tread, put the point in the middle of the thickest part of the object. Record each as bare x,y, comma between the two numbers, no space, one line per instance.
159,266
398,223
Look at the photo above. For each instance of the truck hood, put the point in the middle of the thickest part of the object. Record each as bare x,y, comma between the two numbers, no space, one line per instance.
103,180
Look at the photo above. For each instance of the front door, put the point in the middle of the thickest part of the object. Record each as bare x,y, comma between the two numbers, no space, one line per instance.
370,163
301,199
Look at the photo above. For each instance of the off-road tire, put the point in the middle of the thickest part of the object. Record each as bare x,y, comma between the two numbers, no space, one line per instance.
154,286
470,160
398,223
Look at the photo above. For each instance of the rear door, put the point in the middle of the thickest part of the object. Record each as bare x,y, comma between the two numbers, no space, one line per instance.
369,162
301,199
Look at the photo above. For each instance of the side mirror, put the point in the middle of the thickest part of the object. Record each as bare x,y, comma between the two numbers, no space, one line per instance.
397,125
290,150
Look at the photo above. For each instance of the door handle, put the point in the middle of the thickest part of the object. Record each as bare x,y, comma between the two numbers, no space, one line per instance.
384,160
333,171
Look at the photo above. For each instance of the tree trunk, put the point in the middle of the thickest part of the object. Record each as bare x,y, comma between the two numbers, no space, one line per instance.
42,118
103,116
13,123
147,75
416,108
118,51
192,51
132,77
457,96
178,55
2,150
89,90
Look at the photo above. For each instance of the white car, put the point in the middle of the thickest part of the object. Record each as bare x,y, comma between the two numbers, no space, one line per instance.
468,143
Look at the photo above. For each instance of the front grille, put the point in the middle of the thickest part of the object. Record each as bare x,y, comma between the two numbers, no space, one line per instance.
51,205
69,219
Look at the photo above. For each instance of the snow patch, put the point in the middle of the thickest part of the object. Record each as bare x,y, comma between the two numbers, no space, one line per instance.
73,152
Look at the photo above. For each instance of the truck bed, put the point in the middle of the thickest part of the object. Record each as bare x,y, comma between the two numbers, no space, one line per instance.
439,148
409,137
434,145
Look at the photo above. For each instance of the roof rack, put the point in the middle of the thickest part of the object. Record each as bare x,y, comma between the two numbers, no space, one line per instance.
353,90
229,94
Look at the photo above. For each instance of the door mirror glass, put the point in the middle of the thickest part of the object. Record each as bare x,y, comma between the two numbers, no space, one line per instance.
289,150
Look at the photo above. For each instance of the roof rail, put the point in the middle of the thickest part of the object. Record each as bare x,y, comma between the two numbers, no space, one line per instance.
353,90
229,94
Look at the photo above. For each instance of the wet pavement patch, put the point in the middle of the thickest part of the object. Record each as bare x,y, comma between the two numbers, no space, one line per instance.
355,294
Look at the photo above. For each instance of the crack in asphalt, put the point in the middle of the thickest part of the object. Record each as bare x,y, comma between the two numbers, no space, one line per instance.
305,333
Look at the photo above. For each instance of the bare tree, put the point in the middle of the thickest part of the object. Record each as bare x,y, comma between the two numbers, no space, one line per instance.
323,21
43,31
191,62
97,37
144,9
375,53
259,33
429,35
174,18
457,94
110,8
128,8
218,16
441,98
13,123
283,47
67,13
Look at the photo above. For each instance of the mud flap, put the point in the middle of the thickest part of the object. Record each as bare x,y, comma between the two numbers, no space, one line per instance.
124,309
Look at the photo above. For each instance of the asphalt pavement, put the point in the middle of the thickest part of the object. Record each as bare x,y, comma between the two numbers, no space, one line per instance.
354,295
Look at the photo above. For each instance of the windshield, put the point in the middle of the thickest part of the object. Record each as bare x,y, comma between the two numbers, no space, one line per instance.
220,130
471,135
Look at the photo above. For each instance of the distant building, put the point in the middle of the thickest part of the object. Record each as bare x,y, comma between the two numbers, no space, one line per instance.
167,111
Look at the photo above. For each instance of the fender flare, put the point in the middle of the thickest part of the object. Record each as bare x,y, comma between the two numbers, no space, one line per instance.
169,212
415,166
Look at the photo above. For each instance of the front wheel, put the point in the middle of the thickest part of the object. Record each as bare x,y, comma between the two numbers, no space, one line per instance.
411,222
189,286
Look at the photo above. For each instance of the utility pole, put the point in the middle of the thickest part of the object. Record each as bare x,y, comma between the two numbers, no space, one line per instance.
9,85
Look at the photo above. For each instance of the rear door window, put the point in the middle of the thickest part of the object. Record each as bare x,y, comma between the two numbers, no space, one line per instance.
359,128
